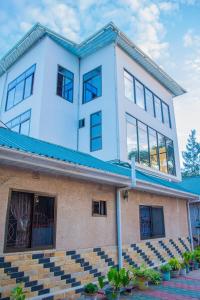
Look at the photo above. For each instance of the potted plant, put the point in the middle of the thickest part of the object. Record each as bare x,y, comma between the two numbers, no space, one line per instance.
115,282
154,276
141,277
187,259
196,253
90,291
182,269
126,280
102,284
17,293
175,267
165,270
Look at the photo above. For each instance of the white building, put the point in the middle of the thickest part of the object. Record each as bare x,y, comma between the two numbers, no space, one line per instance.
104,97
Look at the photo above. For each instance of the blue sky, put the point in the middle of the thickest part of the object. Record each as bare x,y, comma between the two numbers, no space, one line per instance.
169,31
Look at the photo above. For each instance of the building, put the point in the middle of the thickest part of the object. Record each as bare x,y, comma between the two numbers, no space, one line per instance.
70,205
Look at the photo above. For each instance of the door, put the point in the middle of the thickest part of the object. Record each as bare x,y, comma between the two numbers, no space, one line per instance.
30,223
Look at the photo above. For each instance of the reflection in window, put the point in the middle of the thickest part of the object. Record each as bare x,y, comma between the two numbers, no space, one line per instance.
92,82
143,144
158,109
139,92
162,153
129,85
149,102
170,157
20,88
21,123
166,115
153,148
132,144
96,131
65,83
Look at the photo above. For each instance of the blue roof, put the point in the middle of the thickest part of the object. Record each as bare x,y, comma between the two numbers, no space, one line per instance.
192,184
22,143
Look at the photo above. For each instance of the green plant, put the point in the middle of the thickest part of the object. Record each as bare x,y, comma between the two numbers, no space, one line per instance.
141,273
182,265
17,293
196,254
165,268
90,289
125,277
154,276
187,257
114,278
175,264
102,282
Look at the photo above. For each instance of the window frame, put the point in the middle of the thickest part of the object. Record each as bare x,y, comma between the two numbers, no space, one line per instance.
19,123
91,127
70,101
13,86
83,84
99,214
163,218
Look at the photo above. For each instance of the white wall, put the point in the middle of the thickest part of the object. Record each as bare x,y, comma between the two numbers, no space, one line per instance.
127,106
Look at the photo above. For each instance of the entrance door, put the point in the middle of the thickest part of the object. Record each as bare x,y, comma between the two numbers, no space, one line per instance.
30,223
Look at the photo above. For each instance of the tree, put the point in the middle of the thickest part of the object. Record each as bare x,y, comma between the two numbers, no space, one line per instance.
191,156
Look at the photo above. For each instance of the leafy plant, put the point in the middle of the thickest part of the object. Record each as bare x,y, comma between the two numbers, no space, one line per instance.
165,268
175,264
90,288
196,254
125,277
102,282
17,293
154,276
182,265
187,257
141,273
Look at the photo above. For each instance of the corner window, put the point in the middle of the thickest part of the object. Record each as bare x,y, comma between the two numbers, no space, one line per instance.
129,85
166,114
132,139
151,222
162,153
20,88
92,85
170,157
143,144
139,94
158,108
153,149
149,102
65,84
99,208
96,131
21,123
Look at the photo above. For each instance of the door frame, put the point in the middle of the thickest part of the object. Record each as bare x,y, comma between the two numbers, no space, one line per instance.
13,250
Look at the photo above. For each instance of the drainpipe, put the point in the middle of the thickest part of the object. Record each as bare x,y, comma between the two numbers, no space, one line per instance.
118,211
189,225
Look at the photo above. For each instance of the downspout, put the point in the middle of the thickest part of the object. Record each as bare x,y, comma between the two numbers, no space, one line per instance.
118,211
190,225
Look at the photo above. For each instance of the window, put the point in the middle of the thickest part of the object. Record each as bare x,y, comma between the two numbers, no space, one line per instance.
153,149
132,140
151,222
158,108
149,102
65,84
81,123
162,153
166,114
30,222
20,88
149,147
92,82
21,123
96,131
139,94
129,85
99,208
143,144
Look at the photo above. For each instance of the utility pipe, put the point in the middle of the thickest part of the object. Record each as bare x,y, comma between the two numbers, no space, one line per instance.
190,225
118,211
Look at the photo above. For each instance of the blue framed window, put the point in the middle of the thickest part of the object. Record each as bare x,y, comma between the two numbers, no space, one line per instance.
20,88
65,84
21,123
96,131
92,85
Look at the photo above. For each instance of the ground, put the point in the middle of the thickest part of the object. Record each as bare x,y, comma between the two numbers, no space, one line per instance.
182,288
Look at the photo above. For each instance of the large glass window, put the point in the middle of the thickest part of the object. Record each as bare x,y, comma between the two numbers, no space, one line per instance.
153,148
166,115
132,141
92,85
129,85
143,144
151,222
65,84
21,123
162,153
20,88
139,94
96,131
149,102
170,157
158,108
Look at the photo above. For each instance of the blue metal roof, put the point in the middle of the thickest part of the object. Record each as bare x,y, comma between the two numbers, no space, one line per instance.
22,143
108,34
192,184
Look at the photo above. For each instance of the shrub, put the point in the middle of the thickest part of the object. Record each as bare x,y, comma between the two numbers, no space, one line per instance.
196,254
141,273
114,278
175,264
187,257
154,276
90,288
165,268
102,282
17,293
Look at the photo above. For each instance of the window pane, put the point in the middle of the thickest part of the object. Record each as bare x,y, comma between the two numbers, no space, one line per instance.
19,90
143,144
149,102
24,129
96,144
132,144
95,207
92,85
139,90
158,109
96,119
162,153
145,222
10,98
65,82
95,131
166,114
129,86
16,128
153,149
170,157
158,228
28,86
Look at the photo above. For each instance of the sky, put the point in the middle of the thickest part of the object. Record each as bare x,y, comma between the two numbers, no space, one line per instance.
168,31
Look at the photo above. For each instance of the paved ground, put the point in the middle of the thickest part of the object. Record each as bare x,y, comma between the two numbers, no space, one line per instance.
182,288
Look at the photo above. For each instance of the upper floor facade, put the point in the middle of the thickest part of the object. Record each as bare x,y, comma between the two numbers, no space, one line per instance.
103,97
